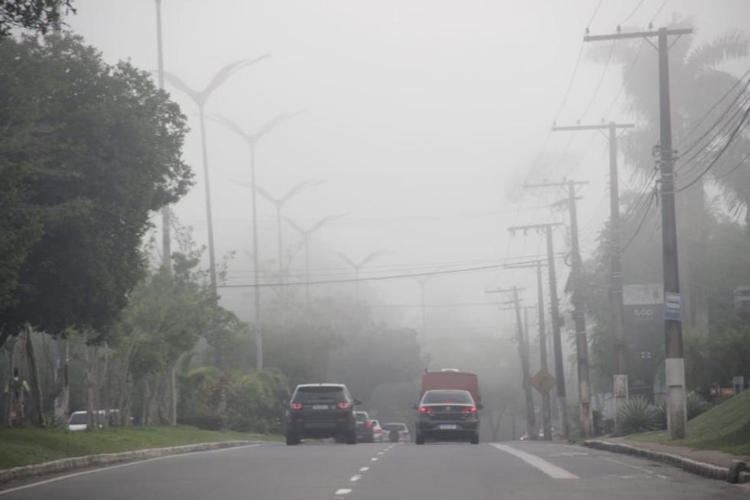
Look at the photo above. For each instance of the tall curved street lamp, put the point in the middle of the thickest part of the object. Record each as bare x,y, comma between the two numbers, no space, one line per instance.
252,140
357,266
306,234
200,98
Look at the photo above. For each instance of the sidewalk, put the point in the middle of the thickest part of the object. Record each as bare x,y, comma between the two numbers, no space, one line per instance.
707,463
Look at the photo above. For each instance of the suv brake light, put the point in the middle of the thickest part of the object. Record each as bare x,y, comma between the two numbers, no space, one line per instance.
426,409
470,409
368,425
344,406
296,406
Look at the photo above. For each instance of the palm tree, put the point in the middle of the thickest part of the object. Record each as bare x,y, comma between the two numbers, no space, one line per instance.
698,83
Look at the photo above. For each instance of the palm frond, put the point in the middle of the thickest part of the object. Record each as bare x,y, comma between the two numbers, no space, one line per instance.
708,55
296,226
326,220
299,187
265,194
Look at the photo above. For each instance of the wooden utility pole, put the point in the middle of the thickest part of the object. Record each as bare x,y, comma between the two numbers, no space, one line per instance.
543,358
523,352
674,363
579,309
556,323
620,382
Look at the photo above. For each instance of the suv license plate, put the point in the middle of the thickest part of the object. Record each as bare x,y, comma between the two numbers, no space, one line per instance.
450,427
320,407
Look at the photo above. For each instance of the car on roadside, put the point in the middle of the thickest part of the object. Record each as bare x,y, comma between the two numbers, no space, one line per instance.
321,411
365,431
78,421
447,415
377,431
401,429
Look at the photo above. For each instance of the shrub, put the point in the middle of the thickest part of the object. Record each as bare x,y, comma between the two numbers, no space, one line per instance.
696,405
638,415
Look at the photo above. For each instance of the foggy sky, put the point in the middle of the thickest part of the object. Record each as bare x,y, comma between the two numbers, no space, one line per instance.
424,117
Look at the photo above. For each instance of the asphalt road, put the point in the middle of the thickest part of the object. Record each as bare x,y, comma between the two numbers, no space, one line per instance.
517,470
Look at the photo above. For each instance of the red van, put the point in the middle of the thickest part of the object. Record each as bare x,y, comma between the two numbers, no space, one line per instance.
452,379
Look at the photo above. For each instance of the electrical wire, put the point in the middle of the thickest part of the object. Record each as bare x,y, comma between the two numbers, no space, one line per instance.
640,224
716,104
626,78
632,13
596,11
735,168
658,12
570,84
719,154
601,79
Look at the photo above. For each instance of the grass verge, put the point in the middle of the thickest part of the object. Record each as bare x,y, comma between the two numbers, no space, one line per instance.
725,427
31,446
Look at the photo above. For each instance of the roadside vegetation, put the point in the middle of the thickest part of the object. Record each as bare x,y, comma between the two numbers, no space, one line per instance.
32,446
725,427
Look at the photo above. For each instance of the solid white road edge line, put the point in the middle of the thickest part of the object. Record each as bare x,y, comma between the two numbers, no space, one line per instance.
129,464
548,468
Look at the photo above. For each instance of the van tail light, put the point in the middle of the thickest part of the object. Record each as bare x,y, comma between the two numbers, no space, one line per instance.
296,406
471,409
426,410
344,405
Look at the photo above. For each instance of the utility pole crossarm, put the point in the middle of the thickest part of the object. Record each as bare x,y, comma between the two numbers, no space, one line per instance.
603,126
638,34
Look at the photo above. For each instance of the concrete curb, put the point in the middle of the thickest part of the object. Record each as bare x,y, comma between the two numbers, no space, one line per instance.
104,459
687,464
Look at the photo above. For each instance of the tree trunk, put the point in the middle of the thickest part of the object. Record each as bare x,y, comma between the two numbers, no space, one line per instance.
173,395
62,388
36,384
9,395
89,384
103,387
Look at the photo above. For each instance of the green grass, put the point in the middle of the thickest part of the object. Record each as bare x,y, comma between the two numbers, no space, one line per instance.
725,427
31,446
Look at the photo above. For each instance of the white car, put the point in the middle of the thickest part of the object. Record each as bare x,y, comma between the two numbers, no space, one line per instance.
377,432
403,432
78,421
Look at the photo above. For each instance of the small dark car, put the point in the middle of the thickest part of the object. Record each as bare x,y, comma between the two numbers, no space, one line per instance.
321,411
447,415
365,428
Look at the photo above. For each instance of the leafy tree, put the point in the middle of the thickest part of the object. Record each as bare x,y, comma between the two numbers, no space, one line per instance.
36,15
95,149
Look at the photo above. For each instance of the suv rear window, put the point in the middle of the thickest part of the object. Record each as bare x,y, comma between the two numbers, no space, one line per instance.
319,393
452,397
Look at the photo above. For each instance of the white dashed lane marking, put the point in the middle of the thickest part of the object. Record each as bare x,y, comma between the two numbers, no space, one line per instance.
374,459
364,469
343,491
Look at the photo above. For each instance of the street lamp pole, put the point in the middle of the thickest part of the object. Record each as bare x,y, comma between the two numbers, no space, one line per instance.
252,140
306,234
357,266
165,229
200,98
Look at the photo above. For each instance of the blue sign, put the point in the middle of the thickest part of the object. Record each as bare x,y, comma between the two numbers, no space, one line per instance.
672,306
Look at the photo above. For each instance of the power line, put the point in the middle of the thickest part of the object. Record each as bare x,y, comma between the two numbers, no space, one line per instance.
601,79
570,84
716,104
719,154
372,278
596,11
658,12
632,13
735,168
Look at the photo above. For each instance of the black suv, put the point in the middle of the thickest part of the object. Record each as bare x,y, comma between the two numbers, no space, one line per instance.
321,411
447,415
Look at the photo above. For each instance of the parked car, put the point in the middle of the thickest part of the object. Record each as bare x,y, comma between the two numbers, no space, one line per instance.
321,411
377,432
78,421
403,432
365,432
447,415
